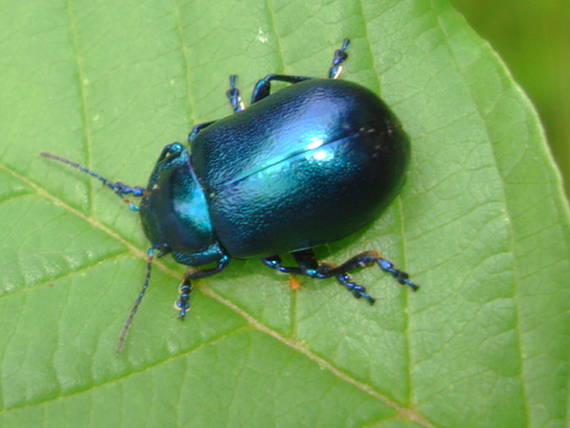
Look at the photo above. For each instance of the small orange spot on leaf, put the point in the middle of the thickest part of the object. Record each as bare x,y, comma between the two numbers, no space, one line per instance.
294,283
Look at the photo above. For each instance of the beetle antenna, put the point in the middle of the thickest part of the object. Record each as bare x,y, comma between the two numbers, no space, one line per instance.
127,325
119,188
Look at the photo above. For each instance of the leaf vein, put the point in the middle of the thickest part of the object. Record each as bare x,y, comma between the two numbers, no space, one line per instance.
80,74
128,375
509,225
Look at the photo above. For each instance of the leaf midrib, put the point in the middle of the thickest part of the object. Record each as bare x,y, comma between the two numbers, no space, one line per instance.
404,412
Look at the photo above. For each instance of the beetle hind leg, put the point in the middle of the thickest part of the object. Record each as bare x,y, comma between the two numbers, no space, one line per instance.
369,258
326,270
308,265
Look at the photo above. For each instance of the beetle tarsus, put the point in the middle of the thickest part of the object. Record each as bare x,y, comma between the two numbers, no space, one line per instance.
233,94
183,302
399,275
340,56
357,290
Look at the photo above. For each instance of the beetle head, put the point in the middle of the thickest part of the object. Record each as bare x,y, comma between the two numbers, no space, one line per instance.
174,210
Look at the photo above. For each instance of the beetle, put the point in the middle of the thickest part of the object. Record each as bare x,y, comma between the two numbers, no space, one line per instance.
308,165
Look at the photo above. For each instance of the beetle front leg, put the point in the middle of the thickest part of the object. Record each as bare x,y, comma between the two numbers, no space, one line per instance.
263,87
183,302
182,305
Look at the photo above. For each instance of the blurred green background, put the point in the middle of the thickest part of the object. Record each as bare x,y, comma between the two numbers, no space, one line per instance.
533,38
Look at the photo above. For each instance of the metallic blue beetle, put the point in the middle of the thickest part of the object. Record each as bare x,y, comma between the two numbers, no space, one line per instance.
308,165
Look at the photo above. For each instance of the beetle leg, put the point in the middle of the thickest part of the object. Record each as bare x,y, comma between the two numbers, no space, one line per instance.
311,267
340,56
357,290
233,95
263,87
368,258
274,262
183,302
400,276
198,128
364,259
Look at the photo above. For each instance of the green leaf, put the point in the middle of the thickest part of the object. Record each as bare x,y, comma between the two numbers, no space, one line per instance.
481,224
